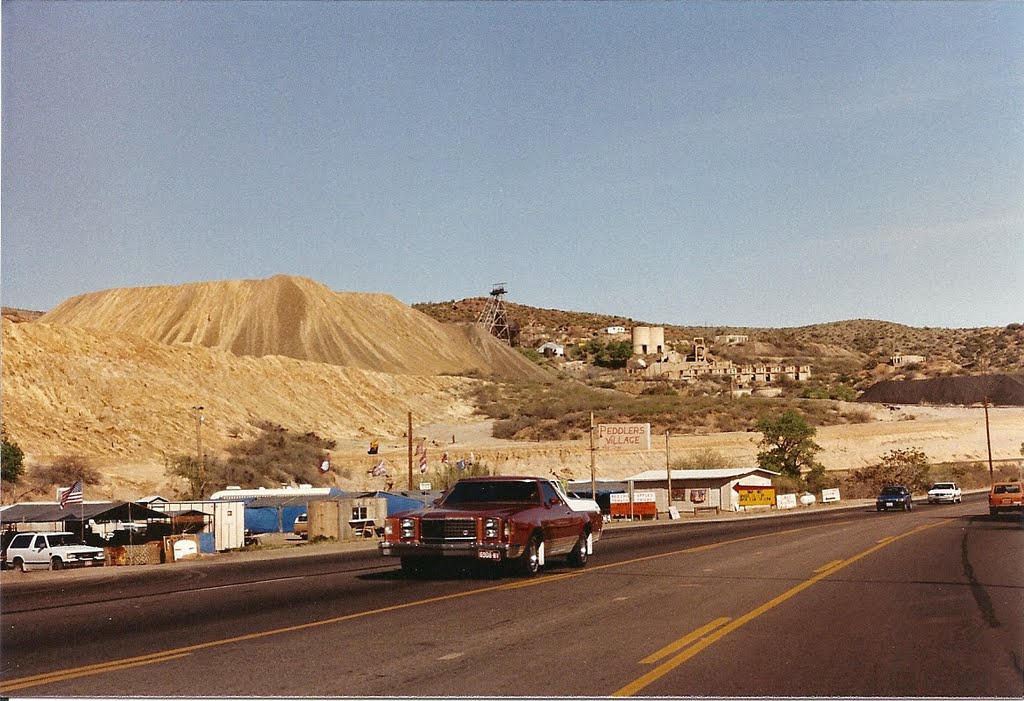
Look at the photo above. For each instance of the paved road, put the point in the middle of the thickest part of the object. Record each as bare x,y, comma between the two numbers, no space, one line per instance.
852,603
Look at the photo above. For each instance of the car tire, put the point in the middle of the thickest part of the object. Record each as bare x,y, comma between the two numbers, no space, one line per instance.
993,512
18,564
878,507
56,564
578,556
529,562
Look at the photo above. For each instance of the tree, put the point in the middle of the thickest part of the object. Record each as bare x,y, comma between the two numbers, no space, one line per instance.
786,444
12,461
703,459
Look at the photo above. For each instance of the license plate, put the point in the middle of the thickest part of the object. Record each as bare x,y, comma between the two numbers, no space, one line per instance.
488,555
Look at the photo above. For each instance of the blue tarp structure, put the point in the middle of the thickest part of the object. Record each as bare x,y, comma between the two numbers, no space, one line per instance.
396,502
278,514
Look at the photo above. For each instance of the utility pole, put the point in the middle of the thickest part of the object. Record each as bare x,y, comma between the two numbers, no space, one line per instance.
668,472
200,460
988,440
409,433
593,463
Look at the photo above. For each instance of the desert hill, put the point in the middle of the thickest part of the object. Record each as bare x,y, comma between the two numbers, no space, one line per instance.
119,397
297,318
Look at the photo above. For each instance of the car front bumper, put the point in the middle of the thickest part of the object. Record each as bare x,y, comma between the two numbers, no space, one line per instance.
940,498
495,552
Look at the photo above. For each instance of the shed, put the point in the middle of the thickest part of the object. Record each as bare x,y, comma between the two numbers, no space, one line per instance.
692,489
347,518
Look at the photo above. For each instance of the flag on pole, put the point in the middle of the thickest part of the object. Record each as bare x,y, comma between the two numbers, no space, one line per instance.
472,459
421,451
380,469
71,495
444,457
374,447
461,464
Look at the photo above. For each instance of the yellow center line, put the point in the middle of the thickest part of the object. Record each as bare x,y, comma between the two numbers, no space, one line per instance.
684,641
825,568
73,673
666,667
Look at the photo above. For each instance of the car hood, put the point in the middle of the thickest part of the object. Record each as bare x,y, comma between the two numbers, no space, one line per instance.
466,510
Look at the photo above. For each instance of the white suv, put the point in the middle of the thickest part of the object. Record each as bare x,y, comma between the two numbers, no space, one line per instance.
53,550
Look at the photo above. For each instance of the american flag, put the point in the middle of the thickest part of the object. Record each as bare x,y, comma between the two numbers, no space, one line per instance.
72,495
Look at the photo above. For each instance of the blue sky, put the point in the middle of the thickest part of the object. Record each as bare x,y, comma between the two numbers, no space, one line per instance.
746,164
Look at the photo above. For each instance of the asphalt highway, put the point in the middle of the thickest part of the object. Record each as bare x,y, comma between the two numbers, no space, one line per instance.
833,603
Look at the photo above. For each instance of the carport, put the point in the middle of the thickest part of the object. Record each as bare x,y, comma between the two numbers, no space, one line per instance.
49,515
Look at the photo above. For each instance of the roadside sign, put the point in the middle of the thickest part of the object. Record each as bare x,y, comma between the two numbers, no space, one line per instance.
828,495
755,495
623,437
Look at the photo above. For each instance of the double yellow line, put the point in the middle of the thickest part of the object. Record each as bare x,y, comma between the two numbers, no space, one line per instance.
704,637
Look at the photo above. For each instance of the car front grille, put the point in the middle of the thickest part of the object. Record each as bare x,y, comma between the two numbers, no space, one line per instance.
447,530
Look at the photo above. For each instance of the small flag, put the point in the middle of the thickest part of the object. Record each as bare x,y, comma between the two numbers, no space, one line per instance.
373,448
461,464
444,457
380,469
72,495
471,458
325,465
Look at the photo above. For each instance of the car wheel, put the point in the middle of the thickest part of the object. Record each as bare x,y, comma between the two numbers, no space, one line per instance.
56,564
529,561
878,507
993,512
18,564
578,556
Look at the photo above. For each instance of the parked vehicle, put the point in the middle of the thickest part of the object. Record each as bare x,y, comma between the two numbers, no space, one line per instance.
519,520
301,527
945,491
894,496
1006,496
54,550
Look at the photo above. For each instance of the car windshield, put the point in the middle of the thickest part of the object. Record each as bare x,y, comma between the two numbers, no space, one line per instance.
62,539
489,492
890,491
1007,489
944,485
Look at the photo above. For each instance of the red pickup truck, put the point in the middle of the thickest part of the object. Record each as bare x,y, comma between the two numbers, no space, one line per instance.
519,520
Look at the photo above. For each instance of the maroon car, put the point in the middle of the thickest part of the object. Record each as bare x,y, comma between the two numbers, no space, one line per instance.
522,520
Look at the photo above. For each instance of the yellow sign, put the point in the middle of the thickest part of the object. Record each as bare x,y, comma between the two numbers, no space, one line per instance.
761,496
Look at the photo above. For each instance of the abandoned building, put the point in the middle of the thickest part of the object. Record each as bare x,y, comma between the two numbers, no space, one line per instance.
671,365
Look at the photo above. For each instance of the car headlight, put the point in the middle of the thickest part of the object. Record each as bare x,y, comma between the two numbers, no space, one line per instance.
408,527
491,528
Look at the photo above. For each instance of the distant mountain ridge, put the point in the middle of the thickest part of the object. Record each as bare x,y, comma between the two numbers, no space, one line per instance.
968,350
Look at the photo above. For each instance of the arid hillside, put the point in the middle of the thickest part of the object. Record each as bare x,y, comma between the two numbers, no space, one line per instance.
124,401
297,318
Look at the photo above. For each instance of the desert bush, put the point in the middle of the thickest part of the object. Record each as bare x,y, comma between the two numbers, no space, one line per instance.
63,472
703,459
907,466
